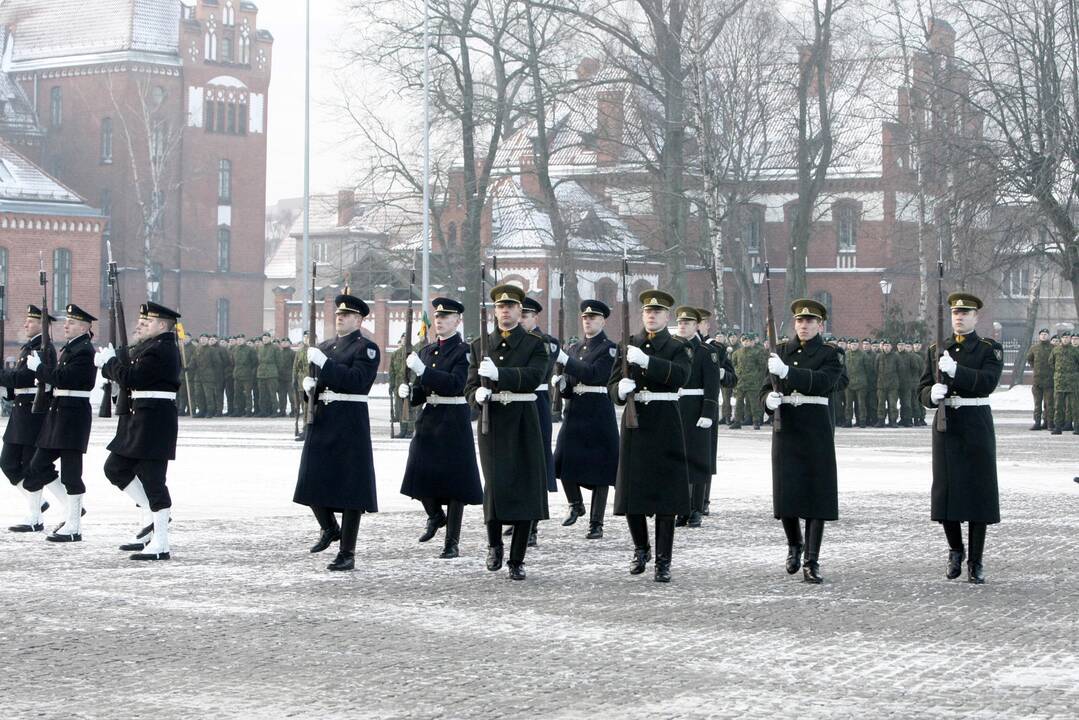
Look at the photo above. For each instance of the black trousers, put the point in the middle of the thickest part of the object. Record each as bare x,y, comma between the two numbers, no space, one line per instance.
698,496
519,543
15,461
121,470
599,499
814,535
42,470
350,525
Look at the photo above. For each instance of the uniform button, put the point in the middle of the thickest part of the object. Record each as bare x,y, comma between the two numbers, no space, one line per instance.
436,352
501,358
647,345
795,362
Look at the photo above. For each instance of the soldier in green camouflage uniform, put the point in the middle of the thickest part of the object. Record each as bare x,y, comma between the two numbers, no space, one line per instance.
182,406
1065,363
266,377
300,369
1042,386
887,385
908,382
227,344
398,370
751,367
917,359
726,416
243,375
285,357
202,376
858,373
216,389
873,352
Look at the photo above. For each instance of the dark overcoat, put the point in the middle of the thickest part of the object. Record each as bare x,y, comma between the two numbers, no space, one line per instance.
23,426
543,406
337,469
511,453
587,449
965,454
835,398
149,432
67,423
703,375
652,475
804,483
442,455
729,380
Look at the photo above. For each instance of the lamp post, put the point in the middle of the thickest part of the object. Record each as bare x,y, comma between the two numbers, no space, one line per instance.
758,280
886,290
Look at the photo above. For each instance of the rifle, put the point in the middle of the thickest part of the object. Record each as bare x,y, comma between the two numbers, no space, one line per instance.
105,410
556,404
119,324
940,419
630,412
772,340
41,402
3,312
406,411
312,341
485,420
181,336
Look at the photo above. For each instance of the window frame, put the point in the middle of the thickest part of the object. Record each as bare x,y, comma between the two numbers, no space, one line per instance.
106,141
846,214
224,182
56,107
224,248
61,277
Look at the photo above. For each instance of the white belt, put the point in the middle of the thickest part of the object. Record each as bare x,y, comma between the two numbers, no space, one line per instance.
152,395
583,389
799,399
542,388
507,397
646,396
964,402
328,396
31,390
691,391
71,393
452,400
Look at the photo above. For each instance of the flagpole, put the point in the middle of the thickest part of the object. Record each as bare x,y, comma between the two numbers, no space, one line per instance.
425,294
305,270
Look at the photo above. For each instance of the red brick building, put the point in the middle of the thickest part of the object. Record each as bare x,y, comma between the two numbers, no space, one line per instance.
43,222
155,111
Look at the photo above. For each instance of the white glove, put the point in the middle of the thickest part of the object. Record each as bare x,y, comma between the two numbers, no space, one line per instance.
947,364
308,384
937,392
488,369
562,357
33,361
773,400
102,356
555,379
316,356
722,372
637,356
625,387
403,391
482,395
704,423
415,364
777,367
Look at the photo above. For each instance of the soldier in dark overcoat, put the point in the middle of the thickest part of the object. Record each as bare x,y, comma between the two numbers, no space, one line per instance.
66,430
804,483
965,453
652,475
337,469
145,438
511,451
727,381
586,454
530,310
441,468
699,406
24,426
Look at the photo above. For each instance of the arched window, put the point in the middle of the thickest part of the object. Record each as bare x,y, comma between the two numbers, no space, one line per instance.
211,45
224,242
753,229
607,291
61,278
56,107
636,289
245,47
106,140
224,182
222,317
210,115
229,16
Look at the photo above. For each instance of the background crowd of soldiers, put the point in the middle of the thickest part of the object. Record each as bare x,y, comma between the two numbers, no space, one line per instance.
1056,382
241,376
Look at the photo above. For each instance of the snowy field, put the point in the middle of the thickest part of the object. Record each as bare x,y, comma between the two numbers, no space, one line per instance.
244,622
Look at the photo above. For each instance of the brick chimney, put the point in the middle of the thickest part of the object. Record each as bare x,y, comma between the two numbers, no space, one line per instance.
529,178
346,207
805,56
610,119
941,37
587,68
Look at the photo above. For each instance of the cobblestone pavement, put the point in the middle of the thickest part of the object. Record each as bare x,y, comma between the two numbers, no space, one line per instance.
244,622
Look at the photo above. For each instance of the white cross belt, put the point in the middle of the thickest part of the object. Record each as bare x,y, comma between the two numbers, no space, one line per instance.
691,391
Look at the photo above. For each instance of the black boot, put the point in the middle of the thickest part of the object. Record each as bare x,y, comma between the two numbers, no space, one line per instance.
522,533
435,519
331,533
955,563
598,509
814,535
706,508
953,531
681,521
794,544
533,533
694,519
975,572
494,545
454,513
350,528
642,553
576,510
664,546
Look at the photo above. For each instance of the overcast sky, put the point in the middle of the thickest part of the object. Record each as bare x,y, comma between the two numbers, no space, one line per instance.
285,19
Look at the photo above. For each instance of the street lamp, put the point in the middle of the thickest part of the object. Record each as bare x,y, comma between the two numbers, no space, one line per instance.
758,280
886,290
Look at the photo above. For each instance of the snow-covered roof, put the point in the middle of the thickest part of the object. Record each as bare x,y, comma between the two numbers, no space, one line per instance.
27,188
16,113
75,32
